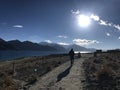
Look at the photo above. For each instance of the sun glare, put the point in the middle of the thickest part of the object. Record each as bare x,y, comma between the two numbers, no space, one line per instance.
83,20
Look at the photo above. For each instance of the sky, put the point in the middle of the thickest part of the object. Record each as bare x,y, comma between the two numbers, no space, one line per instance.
57,21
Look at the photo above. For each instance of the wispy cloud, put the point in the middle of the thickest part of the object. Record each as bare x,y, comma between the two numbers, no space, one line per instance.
119,37
108,34
84,42
48,41
62,43
98,19
95,17
62,36
101,22
116,26
18,26
75,12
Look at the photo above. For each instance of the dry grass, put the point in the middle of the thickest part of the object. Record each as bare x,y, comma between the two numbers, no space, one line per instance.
27,70
103,72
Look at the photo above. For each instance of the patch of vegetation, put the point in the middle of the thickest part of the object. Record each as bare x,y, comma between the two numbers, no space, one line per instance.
27,70
102,72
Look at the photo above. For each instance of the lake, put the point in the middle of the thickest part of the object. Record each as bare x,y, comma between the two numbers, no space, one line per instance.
9,55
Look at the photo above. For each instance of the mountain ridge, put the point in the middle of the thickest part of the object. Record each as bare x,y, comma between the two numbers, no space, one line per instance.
42,46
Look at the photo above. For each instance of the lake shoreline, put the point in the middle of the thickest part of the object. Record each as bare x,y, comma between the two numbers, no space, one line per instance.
13,55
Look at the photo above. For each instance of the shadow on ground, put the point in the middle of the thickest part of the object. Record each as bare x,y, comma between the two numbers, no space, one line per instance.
63,74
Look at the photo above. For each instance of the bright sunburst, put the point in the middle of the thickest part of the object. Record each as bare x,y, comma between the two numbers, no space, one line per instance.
83,20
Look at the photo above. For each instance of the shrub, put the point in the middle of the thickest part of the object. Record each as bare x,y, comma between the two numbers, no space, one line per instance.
104,70
32,79
8,81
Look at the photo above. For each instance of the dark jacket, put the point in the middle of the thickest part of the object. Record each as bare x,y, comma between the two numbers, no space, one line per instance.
71,53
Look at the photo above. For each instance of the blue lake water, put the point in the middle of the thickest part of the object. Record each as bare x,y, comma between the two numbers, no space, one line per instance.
9,55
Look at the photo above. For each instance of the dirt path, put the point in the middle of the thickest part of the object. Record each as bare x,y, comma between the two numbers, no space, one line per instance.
64,77
73,80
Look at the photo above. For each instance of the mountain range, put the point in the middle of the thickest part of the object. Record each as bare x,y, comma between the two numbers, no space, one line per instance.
42,46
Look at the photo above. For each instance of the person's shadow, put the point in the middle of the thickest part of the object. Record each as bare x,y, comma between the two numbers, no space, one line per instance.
63,74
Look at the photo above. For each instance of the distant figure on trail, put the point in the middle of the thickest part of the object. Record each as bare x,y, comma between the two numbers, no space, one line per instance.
71,53
79,55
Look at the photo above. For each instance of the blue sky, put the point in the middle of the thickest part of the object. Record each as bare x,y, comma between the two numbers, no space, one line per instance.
55,21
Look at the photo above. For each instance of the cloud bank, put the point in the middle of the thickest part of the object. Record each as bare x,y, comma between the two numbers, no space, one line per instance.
84,42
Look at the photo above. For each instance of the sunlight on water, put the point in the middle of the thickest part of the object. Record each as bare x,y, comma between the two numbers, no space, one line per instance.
83,51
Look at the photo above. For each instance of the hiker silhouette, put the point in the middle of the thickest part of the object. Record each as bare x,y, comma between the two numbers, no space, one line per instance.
71,54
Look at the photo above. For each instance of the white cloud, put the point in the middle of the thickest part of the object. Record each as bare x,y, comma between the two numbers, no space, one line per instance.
18,26
119,38
75,12
95,17
48,41
63,43
108,34
116,26
110,24
84,42
62,36
101,22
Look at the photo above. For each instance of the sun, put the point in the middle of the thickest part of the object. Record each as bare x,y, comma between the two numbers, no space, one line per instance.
83,20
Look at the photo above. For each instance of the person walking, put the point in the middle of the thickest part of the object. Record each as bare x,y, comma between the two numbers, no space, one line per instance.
71,54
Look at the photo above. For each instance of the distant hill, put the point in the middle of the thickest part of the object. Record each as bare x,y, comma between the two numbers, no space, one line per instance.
77,48
26,45
67,47
4,45
56,46
42,46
